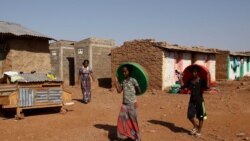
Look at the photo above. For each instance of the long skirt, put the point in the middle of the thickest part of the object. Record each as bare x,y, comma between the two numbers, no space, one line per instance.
127,125
86,89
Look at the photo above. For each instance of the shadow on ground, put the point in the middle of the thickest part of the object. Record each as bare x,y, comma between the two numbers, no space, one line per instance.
10,113
110,128
79,100
170,126
111,131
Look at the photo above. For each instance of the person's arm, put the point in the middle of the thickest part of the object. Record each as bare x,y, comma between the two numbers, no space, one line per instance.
92,76
136,105
208,81
137,89
118,86
183,85
78,80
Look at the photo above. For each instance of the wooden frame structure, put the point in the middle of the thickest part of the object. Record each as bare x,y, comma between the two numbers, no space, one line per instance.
22,96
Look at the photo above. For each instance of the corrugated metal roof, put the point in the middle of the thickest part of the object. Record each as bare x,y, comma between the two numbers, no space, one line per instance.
168,46
246,54
36,77
62,43
19,30
184,48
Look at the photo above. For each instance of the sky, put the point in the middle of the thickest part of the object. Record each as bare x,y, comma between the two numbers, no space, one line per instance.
222,24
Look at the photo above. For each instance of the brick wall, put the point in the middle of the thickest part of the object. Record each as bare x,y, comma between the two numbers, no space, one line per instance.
144,53
27,55
221,64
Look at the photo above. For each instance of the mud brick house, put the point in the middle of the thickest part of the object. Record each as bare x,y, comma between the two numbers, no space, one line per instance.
22,49
63,60
240,62
232,65
97,51
161,59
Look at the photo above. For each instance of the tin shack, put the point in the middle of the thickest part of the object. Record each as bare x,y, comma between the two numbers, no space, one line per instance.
34,90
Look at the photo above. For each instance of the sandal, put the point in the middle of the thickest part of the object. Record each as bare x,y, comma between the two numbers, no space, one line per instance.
197,135
193,131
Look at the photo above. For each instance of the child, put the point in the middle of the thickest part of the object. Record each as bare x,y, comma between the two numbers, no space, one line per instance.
196,103
127,125
84,76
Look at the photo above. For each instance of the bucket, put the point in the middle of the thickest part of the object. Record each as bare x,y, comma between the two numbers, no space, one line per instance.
138,73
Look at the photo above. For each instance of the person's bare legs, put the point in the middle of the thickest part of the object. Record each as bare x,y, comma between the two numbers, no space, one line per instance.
194,130
200,125
193,122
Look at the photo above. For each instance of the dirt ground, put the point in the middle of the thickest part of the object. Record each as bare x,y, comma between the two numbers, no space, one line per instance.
161,116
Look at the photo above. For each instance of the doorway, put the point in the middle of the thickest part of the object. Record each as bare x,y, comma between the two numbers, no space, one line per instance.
71,71
2,55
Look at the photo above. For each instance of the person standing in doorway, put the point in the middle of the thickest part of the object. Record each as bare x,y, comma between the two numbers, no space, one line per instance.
85,81
196,105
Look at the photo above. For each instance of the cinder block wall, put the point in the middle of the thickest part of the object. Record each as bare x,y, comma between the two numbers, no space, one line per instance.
97,51
79,58
101,61
55,59
144,53
62,58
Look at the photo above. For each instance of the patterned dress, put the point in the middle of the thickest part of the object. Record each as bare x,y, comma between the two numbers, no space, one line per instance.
127,125
85,83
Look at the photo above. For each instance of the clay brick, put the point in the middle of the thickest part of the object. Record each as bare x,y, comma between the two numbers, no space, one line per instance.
144,53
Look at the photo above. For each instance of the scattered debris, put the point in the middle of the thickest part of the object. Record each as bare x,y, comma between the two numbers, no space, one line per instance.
162,107
243,83
153,92
246,139
240,134
152,131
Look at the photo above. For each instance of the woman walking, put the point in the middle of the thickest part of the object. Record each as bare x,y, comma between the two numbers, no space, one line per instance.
84,76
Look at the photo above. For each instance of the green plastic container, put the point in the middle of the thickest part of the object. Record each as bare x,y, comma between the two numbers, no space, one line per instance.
174,91
138,73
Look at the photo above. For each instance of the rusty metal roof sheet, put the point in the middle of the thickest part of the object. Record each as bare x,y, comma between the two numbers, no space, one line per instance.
246,54
19,30
185,48
36,77
165,45
62,43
